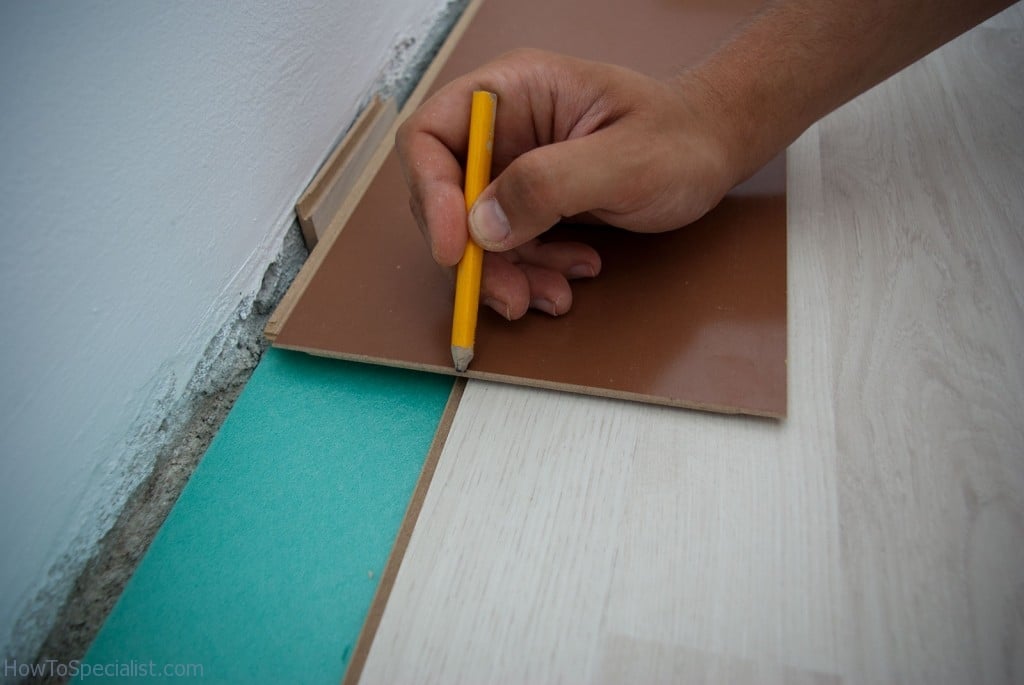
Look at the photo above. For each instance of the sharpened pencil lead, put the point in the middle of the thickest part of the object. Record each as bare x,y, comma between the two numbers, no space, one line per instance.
462,356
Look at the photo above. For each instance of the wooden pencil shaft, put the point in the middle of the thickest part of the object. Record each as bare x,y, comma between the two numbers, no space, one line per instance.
478,172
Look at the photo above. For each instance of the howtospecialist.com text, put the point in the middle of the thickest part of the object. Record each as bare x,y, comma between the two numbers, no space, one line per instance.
83,671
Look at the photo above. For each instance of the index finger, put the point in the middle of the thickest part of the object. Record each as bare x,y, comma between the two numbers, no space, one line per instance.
429,144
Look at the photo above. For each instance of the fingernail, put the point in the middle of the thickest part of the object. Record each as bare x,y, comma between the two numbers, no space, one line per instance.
581,271
488,222
499,306
546,306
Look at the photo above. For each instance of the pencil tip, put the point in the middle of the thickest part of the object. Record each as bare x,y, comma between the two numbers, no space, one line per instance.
461,356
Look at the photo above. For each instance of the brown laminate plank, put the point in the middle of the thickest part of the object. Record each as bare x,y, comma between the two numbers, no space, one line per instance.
692,318
332,185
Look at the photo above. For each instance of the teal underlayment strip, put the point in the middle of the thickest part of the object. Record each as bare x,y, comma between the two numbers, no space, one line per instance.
266,566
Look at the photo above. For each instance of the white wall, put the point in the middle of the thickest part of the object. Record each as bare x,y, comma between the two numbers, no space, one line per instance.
151,155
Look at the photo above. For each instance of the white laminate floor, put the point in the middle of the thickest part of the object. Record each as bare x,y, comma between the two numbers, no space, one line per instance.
876,535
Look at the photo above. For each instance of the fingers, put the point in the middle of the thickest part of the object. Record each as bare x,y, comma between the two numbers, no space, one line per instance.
571,259
548,183
504,287
549,291
541,100
434,177
511,289
536,276
433,140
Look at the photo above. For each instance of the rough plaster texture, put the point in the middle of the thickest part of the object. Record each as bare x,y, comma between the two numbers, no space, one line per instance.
229,360
152,154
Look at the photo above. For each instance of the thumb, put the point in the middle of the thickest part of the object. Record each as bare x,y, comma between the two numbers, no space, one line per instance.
541,187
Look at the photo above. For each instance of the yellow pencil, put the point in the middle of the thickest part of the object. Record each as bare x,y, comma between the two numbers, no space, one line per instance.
467,280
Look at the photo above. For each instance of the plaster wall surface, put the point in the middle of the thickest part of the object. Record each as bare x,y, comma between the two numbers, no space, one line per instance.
150,157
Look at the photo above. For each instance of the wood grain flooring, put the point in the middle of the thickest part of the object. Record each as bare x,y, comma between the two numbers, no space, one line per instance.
875,536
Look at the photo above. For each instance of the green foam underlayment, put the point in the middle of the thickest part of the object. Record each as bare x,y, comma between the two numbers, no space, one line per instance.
265,568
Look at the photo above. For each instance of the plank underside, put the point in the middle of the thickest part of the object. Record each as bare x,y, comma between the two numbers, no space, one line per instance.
691,318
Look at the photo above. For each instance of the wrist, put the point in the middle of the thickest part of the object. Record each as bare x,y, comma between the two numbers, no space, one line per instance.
743,124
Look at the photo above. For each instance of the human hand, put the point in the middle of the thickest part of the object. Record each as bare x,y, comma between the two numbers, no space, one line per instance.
572,137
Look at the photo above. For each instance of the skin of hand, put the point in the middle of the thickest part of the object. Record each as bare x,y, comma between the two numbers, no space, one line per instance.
575,137
571,137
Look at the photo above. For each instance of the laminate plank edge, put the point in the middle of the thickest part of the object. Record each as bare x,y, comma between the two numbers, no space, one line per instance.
328,190
412,512
316,256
